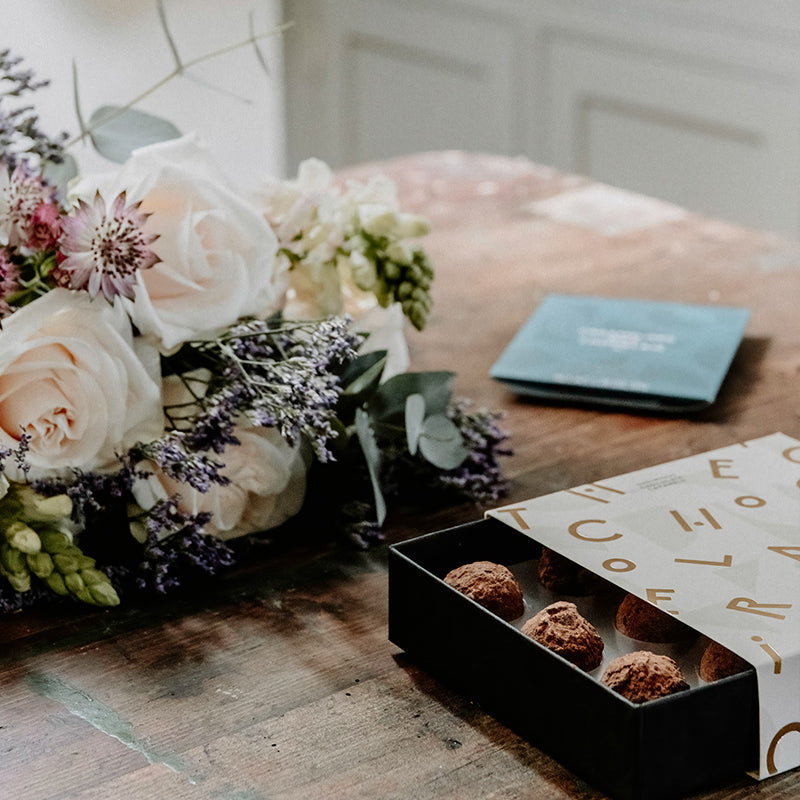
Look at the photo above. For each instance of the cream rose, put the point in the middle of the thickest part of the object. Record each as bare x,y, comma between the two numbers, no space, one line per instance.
74,381
218,254
267,486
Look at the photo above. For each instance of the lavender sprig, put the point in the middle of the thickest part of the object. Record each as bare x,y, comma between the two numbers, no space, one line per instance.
168,562
20,135
280,376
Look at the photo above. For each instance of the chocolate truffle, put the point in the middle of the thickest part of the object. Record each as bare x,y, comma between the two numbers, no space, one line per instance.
491,585
558,574
719,662
643,675
560,628
638,619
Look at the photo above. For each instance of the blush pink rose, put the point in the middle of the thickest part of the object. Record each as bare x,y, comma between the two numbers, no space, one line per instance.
73,380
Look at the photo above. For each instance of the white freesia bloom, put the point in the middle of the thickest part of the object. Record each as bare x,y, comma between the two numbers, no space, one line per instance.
305,214
217,252
73,379
320,224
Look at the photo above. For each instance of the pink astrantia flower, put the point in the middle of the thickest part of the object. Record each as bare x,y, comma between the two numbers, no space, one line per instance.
45,227
103,248
21,193
9,274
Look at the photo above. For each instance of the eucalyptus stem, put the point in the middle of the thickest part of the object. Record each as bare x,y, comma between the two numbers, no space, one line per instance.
86,131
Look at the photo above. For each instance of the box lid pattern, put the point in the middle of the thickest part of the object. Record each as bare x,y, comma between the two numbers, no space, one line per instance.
713,538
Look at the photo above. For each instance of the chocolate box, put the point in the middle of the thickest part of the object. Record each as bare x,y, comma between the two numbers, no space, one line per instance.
664,748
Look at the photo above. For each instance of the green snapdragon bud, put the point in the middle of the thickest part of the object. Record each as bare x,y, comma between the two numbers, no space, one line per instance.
74,573
56,583
22,537
40,564
14,568
33,544
400,267
34,507
12,560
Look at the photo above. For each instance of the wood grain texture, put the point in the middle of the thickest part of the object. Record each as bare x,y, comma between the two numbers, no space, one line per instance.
279,683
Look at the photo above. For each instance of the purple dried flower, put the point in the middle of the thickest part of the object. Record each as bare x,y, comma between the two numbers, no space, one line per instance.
20,136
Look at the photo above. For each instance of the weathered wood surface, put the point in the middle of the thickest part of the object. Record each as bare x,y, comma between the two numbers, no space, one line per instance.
280,683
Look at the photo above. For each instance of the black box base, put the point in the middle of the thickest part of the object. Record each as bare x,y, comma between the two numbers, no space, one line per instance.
659,750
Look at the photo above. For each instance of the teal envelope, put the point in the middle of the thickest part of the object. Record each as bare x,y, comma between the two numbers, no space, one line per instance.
638,353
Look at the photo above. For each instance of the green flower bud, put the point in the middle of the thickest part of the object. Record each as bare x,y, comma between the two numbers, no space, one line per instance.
56,583
37,508
66,564
92,576
74,583
103,594
381,224
54,541
418,317
404,290
392,271
40,564
19,535
12,560
20,582
411,226
400,253
415,273
420,295
85,562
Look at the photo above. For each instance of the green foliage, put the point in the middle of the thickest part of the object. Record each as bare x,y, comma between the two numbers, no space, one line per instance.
116,131
409,410
388,404
401,276
33,546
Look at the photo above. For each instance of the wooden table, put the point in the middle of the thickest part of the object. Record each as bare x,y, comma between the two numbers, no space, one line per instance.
280,682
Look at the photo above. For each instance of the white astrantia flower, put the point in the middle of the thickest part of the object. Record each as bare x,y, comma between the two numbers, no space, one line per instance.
21,193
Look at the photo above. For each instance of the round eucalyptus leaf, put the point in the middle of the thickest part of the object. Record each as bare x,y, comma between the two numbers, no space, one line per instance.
389,400
59,175
117,132
441,442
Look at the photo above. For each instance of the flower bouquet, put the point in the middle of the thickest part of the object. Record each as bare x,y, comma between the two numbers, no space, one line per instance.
182,369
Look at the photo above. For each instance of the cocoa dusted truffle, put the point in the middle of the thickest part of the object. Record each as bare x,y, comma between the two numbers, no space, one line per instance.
638,619
643,675
491,585
558,574
719,662
560,628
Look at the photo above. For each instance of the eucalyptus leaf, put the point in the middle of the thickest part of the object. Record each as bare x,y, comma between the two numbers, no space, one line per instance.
372,454
415,416
363,372
441,443
116,132
359,380
59,175
389,402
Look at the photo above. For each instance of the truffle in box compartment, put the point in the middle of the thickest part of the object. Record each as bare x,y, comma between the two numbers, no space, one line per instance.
656,750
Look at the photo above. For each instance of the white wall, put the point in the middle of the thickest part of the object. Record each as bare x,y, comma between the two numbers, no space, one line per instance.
120,50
